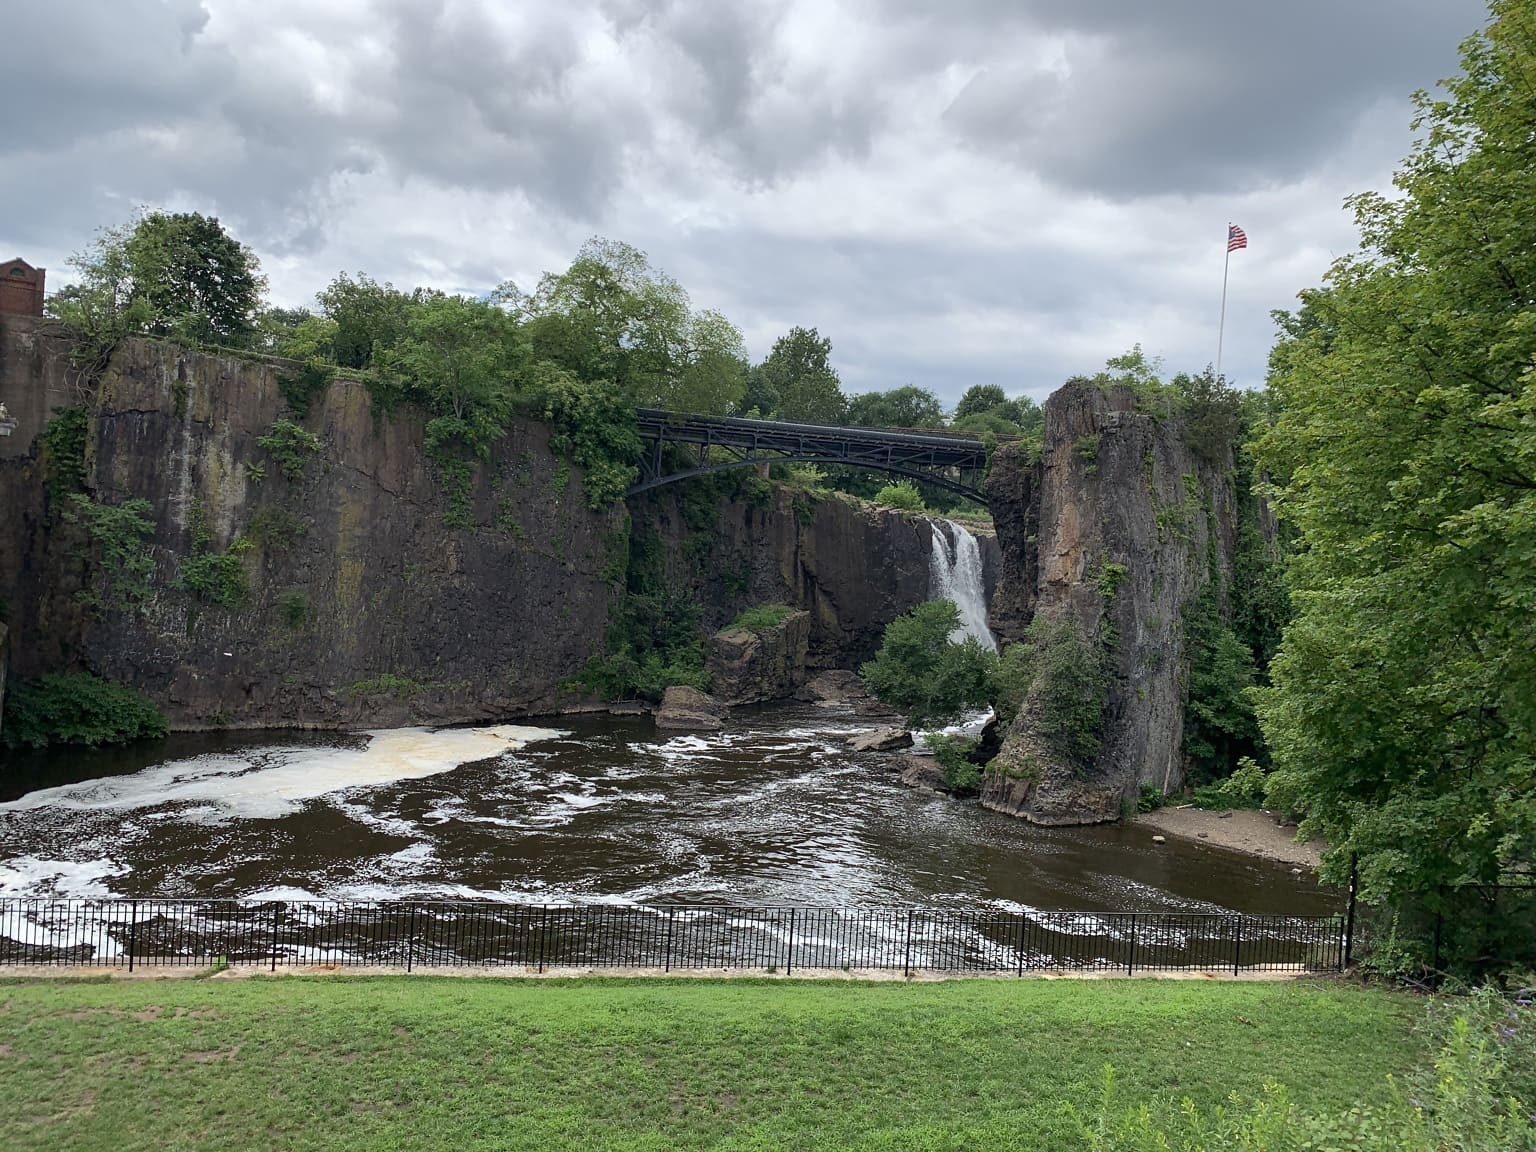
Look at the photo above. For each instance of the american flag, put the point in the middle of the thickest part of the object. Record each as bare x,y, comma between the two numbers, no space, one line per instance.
1236,238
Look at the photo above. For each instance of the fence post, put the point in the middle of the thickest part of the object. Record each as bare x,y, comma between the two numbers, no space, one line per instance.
1237,947
1018,947
789,954
133,931
1439,927
907,964
1130,961
410,936
667,966
276,912
543,920
1349,914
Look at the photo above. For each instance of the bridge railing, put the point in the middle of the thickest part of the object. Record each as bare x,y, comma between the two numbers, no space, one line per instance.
659,420
134,934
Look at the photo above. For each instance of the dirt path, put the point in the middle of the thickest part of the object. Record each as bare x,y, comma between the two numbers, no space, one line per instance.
1255,833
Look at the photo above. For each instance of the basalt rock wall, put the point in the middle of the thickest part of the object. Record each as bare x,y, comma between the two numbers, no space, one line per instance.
1114,530
362,607
853,567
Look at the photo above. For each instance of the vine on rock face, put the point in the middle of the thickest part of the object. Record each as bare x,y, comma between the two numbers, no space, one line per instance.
121,535
291,446
216,577
64,450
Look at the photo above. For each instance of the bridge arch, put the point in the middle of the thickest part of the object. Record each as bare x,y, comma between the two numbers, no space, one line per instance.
943,482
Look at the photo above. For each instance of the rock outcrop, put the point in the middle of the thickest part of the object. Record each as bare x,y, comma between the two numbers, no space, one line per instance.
748,665
837,686
1113,532
924,773
359,604
688,708
880,740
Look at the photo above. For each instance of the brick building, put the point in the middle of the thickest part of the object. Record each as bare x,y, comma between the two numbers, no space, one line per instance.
21,288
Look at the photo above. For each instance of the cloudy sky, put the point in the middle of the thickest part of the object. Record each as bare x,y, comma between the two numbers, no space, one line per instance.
1001,191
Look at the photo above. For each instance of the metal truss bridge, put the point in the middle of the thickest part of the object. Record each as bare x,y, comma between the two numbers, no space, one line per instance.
714,443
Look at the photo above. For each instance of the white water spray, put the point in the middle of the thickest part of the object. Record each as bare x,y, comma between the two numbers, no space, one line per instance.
954,573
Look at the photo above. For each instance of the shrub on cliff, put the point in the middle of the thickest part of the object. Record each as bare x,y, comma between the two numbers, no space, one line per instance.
902,495
76,708
1059,678
921,671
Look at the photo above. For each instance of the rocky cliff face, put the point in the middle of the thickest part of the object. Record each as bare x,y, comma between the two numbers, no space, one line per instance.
362,607
853,567
1113,531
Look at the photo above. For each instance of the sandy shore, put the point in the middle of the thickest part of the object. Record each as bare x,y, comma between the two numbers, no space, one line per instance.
1255,833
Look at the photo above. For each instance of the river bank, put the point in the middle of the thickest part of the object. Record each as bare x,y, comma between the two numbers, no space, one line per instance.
1253,833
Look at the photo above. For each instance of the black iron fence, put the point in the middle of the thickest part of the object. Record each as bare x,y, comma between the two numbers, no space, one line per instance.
1467,931
143,933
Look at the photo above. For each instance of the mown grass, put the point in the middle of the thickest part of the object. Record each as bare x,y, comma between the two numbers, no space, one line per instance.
427,1063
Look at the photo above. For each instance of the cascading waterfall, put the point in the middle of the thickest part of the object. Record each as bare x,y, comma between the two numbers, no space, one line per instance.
954,573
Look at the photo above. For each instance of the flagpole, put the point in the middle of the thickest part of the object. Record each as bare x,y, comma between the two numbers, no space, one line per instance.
1221,331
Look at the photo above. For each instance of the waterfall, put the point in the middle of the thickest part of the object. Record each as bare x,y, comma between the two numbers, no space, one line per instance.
954,573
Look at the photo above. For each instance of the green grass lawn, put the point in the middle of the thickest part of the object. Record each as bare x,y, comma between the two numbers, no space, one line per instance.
440,1063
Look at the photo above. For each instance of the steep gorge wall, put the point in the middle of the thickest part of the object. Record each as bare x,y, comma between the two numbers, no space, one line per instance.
363,608
1115,530
853,567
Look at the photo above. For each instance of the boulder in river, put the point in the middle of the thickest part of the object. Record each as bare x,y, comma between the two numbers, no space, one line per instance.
760,663
923,772
683,707
835,687
881,740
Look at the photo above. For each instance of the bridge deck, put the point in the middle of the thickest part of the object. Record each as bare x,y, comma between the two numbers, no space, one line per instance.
944,460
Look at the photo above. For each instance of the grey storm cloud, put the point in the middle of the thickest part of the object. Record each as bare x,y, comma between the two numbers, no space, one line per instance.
1190,95
927,183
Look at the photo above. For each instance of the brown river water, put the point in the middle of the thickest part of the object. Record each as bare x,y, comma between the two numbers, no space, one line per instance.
772,810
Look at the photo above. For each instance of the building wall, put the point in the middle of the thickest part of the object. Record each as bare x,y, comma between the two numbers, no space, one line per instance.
21,288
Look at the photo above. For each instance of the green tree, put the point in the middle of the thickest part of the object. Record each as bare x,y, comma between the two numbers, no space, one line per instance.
1219,725
906,407
367,315
201,284
610,316
458,358
798,379
980,398
922,671
1402,715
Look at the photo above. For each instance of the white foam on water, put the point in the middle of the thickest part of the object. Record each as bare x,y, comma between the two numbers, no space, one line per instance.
266,783
283,892
31,878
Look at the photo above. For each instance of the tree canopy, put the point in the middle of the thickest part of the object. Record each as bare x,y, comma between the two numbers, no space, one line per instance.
906,407
796,381
167,274
920,670
1402,715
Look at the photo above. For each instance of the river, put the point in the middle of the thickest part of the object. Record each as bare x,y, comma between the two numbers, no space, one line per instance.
773,809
